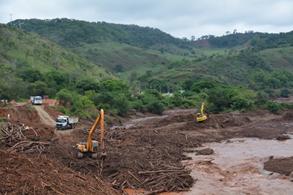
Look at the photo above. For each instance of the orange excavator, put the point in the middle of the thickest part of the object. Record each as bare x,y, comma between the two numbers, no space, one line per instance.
201,116
90,148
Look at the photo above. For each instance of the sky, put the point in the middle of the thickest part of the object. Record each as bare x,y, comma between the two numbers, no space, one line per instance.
180,18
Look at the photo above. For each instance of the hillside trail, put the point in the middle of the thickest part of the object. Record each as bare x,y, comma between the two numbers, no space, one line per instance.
46,119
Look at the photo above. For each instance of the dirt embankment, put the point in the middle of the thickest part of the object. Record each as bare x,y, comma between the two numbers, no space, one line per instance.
24,114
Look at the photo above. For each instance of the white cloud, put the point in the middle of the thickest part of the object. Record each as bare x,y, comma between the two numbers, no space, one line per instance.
177,17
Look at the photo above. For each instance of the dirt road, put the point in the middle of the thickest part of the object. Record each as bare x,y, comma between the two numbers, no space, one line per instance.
46,119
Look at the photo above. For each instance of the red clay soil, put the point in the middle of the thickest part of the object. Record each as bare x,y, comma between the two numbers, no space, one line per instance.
21,114
52,111
280,165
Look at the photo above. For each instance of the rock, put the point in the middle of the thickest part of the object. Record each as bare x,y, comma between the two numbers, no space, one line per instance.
283,137
291,176
205,151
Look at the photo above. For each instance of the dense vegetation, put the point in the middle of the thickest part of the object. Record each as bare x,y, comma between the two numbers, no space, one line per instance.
71,33
153,71
251,39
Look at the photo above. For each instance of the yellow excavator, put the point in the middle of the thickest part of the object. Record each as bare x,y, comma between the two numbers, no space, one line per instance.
90,148
201,117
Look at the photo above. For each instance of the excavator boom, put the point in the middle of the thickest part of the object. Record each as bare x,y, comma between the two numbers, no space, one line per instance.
102,131
202,108
89,146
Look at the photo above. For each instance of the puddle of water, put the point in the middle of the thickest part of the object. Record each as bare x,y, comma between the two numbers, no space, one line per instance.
236,167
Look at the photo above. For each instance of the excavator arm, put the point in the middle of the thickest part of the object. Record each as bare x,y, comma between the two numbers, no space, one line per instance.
202,109
102,131
99,120
89,145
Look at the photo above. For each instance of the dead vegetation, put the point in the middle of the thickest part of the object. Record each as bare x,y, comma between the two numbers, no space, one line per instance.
27,168
20,138
22,174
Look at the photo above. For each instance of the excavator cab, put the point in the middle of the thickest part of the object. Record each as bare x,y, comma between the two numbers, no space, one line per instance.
91,147
201,117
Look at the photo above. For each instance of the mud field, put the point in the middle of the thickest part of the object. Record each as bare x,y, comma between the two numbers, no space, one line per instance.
154,153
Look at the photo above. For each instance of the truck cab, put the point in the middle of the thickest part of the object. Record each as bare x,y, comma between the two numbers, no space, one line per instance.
37,100
62,122
66,122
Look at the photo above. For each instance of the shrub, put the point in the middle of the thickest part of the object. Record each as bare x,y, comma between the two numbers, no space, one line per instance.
230,98
274,107
155,107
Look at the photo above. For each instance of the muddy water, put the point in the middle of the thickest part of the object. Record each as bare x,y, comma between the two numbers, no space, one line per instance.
236,167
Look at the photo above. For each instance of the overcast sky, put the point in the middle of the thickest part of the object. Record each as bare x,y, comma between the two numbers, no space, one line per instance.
181,18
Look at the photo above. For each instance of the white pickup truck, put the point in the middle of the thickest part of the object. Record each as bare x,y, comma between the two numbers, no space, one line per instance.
66,122
36,100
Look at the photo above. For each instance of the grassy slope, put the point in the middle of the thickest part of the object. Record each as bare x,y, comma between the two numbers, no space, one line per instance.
279,57
110,44
112,54
20,49
227,68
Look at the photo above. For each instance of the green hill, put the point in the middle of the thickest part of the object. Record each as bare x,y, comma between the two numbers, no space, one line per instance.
233,68
115,46
145,53
72,33
24,55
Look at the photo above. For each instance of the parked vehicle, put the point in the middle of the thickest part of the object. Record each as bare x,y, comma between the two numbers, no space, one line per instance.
36,100
66,122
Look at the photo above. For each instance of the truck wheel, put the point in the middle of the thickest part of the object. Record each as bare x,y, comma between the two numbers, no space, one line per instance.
79,154
94,155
